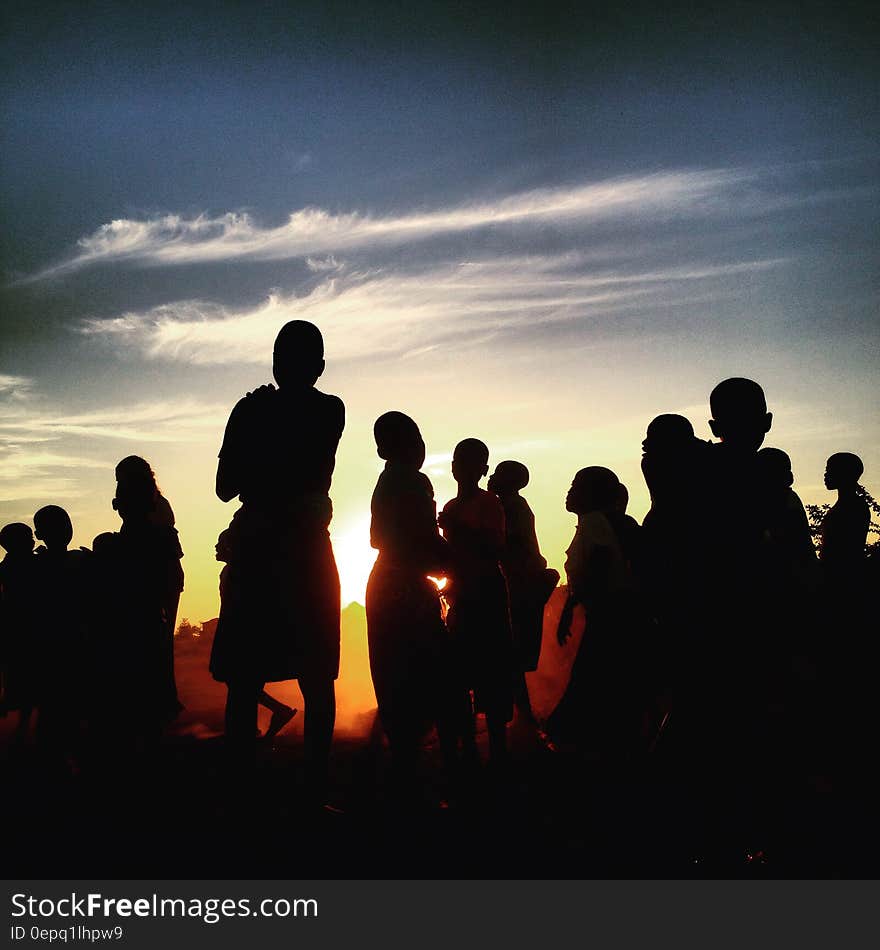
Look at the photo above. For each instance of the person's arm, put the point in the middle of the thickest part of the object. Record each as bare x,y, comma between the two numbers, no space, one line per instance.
229,475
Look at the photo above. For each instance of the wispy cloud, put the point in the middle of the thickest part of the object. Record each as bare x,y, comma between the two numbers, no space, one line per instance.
37,475
367,314
15,387
162,421
175,239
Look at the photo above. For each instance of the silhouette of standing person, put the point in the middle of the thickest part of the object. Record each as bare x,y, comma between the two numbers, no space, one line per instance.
529,581
790,556
18,599
136,575
598,711
62,620
849,667
479,613
281,617
407,638
675,468
844,529
728,710
135,468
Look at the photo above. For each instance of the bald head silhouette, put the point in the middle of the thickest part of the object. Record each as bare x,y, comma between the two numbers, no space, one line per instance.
594,489
843,470
53,527
298,356
509,476
16,538
739,414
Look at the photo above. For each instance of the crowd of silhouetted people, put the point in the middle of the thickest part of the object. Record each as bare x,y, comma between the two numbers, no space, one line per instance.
716,635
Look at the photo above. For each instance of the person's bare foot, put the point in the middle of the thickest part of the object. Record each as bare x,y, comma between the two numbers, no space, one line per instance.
280,718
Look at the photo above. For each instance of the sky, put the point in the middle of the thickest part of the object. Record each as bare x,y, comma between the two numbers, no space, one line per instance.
537,225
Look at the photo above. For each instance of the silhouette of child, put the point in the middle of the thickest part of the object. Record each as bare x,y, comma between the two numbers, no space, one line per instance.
479,615
791,557
735,679
675,465
733,526
280,618
18,599
844,529
529,581
281,712
849,660
139,571
668,461
134,470
63,624
407,638
599,710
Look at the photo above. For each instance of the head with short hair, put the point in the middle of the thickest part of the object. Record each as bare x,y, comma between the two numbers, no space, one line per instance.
739,414
398,439
508,477
16,538
470,461
298,355
774,468
223,547
103,543
843,470
668,432
593,489
52,525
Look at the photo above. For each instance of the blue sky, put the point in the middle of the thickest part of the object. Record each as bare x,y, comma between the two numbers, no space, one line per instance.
540,226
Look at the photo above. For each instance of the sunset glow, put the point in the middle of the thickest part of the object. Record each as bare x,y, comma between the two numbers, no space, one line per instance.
499,248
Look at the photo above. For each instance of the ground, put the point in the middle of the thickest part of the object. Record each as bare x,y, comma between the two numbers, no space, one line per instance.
178,813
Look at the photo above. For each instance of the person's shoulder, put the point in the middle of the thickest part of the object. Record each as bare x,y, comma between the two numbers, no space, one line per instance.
450,506
425,484
332,405
490,503
518,507
163,514
165,540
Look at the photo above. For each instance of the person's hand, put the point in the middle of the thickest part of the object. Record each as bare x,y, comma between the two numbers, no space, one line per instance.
563,631
261,391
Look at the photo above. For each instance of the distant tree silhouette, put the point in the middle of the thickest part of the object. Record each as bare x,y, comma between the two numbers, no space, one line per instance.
187,630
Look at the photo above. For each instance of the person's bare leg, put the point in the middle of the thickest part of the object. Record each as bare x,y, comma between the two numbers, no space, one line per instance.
497,729
281,713
241,716
521,697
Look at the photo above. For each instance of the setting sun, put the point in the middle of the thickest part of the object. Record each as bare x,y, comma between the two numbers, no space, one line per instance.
354,558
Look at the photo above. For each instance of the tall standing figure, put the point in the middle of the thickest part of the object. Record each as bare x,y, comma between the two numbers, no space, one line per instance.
133,470
280,617
529,581
405,630
479,616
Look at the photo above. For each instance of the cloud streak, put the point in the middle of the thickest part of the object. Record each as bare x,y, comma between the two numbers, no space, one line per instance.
174,239
162,421
378,313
